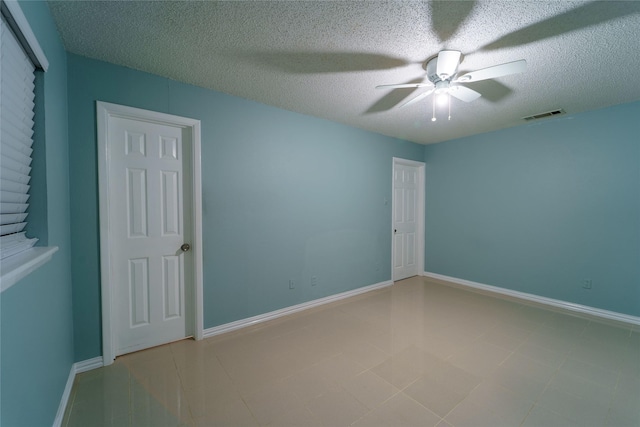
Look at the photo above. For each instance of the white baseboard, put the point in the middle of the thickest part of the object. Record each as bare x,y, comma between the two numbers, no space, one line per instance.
243,323
88,365
76,368
569,306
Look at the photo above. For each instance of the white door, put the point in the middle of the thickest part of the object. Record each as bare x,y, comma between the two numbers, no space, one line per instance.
405,221
149,214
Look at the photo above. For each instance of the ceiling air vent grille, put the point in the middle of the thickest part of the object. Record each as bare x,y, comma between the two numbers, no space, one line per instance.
545,115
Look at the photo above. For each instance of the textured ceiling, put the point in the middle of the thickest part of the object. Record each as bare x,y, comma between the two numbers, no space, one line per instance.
325,58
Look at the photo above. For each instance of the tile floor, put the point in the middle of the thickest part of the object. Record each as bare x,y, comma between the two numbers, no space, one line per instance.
418,353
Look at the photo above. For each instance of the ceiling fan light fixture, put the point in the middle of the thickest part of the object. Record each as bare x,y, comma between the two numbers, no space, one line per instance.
442,99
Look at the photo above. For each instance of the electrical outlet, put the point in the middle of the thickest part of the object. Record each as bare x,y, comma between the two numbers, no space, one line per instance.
587,284
292,284
314,280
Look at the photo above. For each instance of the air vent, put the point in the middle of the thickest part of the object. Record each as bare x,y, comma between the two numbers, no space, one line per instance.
544,115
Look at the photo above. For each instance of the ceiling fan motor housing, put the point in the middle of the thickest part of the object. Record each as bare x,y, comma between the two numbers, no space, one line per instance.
432,72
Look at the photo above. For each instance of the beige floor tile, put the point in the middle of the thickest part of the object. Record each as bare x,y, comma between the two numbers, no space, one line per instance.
498,338
407,366
189,353
456,379
339,369
579,386
535,314
162,352
310,383
155,416
470,414
365,354
203,400
480,358
370,389
269,402
624,411
173,401
312,350
541,417
598,354
234,413
95,411
523,376
567,322
400,411
612,335
543,355
558,340
296,417
583,411
103,388
203,372
511,408
337,408
381,358
434,395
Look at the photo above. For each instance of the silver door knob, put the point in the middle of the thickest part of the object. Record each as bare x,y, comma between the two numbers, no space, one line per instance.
185,247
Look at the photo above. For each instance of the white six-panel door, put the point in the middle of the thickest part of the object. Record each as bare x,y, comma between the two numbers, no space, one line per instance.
406,221
149,219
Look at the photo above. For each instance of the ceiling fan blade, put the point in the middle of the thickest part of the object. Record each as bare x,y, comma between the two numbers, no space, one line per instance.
417,98
448,16
403,85
584,16
447,65
493,72
464,93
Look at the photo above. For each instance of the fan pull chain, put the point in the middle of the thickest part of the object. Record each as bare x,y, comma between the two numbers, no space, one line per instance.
449,103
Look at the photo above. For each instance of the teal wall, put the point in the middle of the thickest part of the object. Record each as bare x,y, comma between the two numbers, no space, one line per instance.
36,338
541,207
285,196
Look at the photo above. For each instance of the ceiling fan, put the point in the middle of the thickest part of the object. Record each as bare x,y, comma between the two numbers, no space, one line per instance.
442,73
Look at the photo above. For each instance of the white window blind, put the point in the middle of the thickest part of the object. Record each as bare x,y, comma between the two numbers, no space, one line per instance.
17,75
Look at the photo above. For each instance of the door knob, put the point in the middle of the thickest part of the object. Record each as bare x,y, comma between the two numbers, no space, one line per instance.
185,247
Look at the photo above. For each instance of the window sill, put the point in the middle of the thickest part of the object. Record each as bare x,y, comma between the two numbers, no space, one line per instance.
20,265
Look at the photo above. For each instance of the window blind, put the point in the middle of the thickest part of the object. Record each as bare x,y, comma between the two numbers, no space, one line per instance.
17,75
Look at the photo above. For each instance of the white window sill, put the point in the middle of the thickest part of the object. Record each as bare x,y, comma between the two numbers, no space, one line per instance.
15,267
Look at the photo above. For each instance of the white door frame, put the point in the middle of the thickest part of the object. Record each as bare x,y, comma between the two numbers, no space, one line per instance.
106,111
420,213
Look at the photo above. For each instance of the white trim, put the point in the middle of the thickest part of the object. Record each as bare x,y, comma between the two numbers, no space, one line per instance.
16,267
243,323
88,365
17,16
64,400
420,214
104,111
565,305
76,368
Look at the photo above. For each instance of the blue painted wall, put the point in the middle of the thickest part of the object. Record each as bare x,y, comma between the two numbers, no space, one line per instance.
286,196
36,322
541,207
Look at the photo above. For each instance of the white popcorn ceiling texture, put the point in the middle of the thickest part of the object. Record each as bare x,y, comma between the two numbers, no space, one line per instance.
324,58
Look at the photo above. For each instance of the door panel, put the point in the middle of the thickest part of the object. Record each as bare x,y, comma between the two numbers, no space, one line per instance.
405,227
171,278
137,207
139,292
147,213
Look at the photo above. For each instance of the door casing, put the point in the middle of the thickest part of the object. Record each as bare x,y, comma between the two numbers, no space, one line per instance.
420,212
105,111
